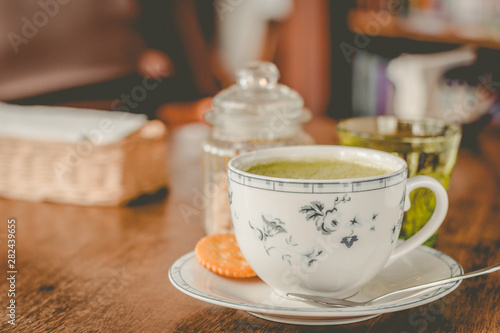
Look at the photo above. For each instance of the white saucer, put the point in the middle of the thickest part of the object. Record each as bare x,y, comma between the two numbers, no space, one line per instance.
422,265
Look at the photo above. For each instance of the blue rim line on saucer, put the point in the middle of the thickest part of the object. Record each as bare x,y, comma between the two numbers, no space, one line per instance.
181,266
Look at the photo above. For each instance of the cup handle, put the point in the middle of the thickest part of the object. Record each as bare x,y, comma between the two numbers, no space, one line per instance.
434,222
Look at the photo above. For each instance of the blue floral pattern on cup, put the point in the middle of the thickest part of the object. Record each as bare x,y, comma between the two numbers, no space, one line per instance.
327,220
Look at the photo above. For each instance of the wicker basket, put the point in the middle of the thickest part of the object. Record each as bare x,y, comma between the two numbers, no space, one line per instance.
83,173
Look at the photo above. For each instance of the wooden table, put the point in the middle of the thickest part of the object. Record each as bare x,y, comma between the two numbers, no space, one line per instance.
89,269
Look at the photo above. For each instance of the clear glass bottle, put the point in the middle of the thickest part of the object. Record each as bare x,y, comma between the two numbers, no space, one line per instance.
255,113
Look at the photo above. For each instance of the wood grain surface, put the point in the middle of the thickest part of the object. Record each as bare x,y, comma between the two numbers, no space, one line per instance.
89,269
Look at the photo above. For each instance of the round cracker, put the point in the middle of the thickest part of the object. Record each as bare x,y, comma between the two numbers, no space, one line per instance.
221,254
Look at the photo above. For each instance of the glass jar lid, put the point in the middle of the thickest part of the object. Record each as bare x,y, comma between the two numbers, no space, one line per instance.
257,96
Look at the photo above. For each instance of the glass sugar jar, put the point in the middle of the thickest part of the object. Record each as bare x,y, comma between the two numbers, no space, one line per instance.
255,113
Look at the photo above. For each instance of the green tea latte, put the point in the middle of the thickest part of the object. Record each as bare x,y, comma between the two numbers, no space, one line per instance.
317,169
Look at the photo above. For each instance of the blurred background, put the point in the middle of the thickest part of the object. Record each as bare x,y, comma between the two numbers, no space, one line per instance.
167,58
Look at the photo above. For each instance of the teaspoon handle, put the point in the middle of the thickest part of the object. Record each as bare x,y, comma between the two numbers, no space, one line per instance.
486,270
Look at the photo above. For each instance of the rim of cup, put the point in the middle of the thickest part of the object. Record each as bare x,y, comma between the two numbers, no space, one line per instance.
319,152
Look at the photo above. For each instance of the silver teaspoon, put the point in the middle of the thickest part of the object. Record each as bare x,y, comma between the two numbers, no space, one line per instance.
343,303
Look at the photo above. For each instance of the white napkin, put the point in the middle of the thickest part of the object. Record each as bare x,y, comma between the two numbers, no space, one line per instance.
64,124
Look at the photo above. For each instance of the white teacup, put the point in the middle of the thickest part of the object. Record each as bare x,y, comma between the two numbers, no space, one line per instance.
324,237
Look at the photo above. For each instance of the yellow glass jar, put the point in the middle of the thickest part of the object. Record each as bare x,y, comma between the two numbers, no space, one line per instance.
429,147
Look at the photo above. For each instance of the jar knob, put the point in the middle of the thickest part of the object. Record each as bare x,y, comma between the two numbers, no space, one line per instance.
258,75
